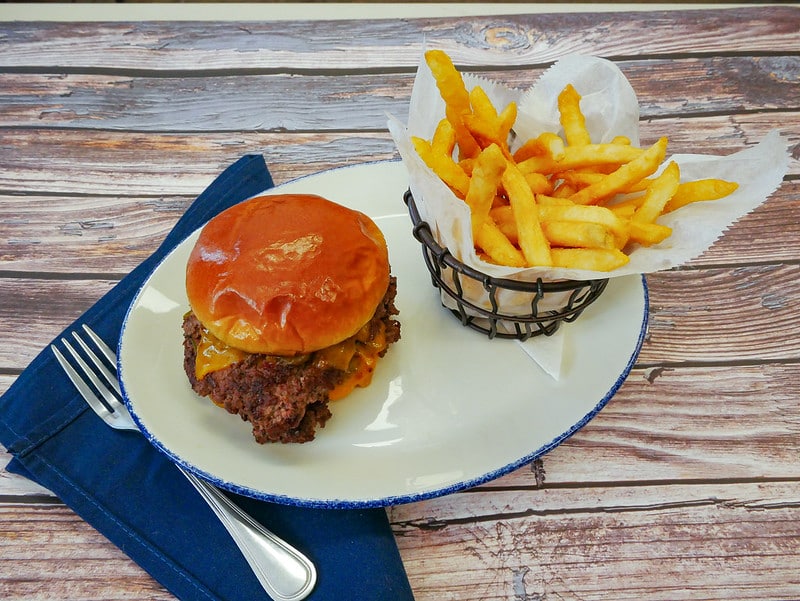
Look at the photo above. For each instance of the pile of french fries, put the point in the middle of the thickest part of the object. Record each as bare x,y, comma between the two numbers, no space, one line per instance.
554,201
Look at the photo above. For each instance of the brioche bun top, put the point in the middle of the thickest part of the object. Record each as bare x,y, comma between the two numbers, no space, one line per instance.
287,274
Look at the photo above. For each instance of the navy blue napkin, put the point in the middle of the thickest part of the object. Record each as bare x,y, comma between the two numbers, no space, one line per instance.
138,499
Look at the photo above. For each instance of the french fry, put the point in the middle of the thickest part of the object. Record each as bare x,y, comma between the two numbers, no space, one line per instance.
572,119
496,244
627,206
583,214
640,186
580,179
444,166
485,125
467,145
658,193
589,259
534,147
563,190
642,166
499,201
486,175
648,234
699,190
485,133
538,183
580,234
444,138
575,157
570,234
503,217
506,120
545,200
535,247
467,165
456,98
624,210
547,144
482,107
448,80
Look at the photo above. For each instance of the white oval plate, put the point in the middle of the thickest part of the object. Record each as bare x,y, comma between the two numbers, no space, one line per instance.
447,409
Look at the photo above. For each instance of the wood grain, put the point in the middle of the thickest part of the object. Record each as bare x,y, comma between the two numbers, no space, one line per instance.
125,163
87,234
51,304
46,543
740,314
122,163
358,102
678,423
394,43
661,543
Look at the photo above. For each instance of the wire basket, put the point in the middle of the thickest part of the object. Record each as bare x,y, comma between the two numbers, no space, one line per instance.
546,304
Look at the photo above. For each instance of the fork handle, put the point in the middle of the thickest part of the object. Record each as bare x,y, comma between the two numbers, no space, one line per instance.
284,572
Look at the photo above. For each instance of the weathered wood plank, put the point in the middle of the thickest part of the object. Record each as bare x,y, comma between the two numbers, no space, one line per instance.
80,234
358,102
221,103
50,304
123,163
168,164
740,314
486,505
648,543
394,43
50,553
18,487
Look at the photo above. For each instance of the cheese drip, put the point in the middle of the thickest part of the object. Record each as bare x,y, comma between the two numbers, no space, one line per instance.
361,364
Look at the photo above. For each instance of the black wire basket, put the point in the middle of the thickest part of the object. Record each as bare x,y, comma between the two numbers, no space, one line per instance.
540,315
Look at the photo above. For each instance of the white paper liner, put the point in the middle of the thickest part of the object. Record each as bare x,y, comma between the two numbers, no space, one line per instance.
611,109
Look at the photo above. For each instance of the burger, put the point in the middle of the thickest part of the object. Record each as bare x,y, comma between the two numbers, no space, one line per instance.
291,305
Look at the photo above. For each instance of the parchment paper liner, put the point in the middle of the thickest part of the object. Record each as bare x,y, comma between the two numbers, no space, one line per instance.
611,109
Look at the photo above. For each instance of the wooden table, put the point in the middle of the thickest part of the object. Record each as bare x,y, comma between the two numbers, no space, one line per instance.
686,486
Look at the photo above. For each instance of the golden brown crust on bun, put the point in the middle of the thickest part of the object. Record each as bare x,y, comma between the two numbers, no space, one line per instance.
287,274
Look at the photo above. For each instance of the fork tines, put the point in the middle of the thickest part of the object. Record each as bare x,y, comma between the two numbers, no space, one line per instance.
105,401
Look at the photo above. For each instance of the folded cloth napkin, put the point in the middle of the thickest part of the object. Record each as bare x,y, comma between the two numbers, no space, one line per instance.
138,499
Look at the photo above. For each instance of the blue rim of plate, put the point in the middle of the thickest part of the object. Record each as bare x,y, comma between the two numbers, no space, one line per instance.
388,500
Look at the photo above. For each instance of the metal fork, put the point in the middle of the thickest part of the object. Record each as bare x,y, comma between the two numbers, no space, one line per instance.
284,572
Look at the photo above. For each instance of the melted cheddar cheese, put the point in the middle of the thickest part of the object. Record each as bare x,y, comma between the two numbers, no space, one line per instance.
213,355
356,356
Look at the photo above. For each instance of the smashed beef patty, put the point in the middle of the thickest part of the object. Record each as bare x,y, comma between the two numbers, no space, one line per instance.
284,398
